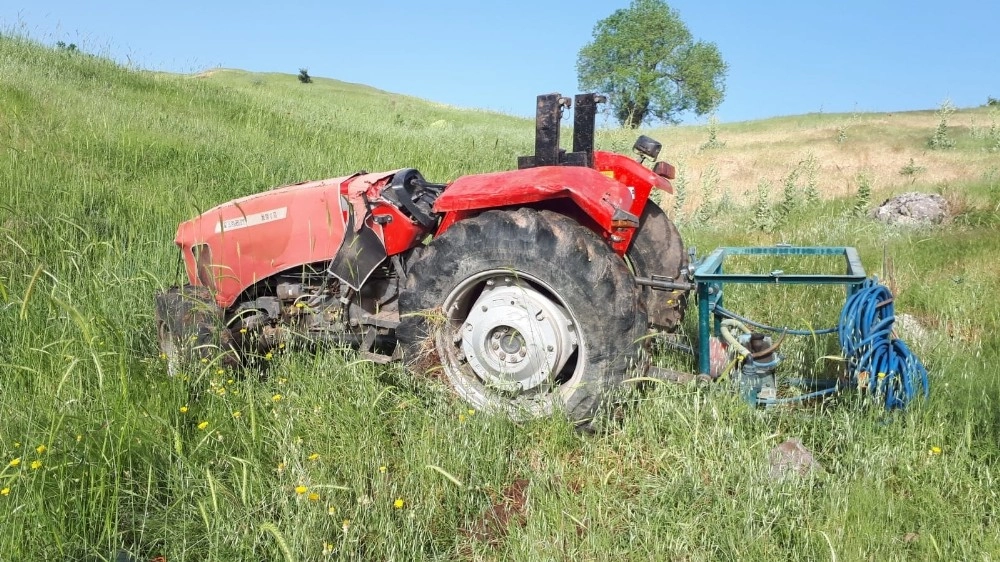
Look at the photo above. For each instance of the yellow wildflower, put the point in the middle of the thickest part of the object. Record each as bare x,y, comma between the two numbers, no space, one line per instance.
935,450
281,467
36,464
276,398
204,360
5,492
184,409
163,356
220,372
327,549
237,414
314,456
331,510
301,490
15,461
221,391
41,449
346,523
313,497
203,425
471,411
79,437
268,356
243,330
382,469
399,503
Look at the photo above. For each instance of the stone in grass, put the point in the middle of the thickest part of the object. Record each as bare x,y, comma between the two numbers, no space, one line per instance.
913,209
791,458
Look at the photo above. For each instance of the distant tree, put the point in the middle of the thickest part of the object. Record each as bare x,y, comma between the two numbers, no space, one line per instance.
646,60
992,101
304,76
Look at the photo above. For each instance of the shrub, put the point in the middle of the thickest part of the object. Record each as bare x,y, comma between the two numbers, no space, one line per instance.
304,76
911,170
941,140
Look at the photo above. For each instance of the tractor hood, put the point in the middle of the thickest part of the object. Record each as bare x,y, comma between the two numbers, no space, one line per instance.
234,245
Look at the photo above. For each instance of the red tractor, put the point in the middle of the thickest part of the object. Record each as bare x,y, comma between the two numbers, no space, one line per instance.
532,289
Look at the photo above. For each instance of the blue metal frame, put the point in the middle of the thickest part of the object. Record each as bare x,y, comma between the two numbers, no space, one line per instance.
709,278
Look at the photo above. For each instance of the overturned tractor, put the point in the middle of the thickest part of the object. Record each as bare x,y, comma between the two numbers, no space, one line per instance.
533,288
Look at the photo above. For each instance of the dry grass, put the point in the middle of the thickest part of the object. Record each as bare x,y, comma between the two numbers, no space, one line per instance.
878,144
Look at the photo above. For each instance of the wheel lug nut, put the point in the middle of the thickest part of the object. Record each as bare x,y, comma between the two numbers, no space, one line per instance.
495,346
502,356
523,352
490,282
550,348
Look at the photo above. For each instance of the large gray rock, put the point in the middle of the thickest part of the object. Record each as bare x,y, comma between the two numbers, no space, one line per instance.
913,209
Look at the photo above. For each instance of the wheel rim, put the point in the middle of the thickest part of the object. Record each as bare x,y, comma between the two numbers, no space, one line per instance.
169,349
511,334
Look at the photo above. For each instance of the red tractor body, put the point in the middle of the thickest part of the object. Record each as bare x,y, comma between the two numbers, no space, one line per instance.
516,255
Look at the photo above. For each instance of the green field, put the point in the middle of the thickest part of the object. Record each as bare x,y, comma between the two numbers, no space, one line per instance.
101,453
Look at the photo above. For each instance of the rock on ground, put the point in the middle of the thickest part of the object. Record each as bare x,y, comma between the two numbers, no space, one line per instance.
913,209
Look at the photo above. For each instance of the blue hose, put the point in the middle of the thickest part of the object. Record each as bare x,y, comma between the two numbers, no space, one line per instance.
878,362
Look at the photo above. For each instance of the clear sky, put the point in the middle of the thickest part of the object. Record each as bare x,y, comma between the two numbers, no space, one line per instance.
785,57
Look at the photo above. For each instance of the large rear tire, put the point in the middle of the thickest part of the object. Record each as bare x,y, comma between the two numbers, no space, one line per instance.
528,312
658,251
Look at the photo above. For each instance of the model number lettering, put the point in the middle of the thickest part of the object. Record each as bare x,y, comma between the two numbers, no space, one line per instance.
252,219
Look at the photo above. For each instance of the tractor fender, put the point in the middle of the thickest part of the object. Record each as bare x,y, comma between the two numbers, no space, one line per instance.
605,200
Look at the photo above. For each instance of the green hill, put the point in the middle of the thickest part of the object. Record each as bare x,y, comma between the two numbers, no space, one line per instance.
331,455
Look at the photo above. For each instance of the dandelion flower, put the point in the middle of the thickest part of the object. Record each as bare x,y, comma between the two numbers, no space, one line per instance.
935,450
15,462
346,523
399,503
382,469
5,492
17,445
314,456
327,549
79,437
163,356
220,372
36,464
268,356
184,409
243,330
203,425
204,360
301,490
471,411
281,467
313,497
41,449
331,510
237,414
221,391
276,398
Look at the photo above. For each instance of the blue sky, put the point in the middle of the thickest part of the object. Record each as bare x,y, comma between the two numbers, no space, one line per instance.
785,57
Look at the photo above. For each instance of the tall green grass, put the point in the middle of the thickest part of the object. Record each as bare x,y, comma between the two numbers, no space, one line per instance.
332,456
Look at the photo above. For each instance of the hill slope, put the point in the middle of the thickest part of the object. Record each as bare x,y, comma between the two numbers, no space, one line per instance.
330,455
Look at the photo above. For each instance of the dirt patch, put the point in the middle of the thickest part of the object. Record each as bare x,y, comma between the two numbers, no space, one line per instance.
507,509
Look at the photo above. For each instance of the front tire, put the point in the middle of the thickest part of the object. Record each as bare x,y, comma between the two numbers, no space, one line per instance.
528,312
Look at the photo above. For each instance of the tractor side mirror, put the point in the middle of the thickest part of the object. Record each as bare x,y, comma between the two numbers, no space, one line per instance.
665,170
647,146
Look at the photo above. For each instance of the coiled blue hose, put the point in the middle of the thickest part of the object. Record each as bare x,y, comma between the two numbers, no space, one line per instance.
881,364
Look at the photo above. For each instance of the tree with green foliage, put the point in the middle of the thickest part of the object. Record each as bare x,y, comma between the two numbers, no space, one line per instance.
646,60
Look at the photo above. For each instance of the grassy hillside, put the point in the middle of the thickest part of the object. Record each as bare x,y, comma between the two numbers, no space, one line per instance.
332,456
